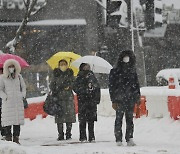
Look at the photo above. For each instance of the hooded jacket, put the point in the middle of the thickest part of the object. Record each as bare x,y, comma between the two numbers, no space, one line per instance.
123,80
12,95
88,98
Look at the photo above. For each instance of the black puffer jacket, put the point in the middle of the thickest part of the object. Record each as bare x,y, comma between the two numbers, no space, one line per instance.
123,80
88,98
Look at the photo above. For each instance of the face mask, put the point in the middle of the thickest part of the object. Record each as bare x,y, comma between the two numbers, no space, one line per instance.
86,68
126,59
11,70
63,68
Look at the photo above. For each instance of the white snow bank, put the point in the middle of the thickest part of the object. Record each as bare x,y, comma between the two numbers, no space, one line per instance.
36,99
159,91
11,148
176,3
153,136
166,73
48,22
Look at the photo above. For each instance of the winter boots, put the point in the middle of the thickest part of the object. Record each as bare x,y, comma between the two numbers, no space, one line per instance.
8,138
119,143
131,142
60,137
68,136
16,139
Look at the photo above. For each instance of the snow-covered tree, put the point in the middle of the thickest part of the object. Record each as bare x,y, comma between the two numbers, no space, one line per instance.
31,7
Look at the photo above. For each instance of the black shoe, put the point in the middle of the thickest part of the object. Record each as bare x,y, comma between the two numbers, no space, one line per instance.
8,138
60,138
83,140
68,137
92,140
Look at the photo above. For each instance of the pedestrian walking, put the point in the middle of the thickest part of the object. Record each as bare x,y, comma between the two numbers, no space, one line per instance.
124,93
1,128
61,87
87,89
12,92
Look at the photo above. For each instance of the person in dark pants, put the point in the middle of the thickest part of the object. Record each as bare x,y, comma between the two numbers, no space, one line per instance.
61,86
1,128
87,89
12,92
124,92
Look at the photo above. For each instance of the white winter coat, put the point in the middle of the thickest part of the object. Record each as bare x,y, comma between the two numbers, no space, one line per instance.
12,104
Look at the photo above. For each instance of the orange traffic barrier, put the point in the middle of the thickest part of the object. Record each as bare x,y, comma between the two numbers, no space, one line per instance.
174,107
171,83
141,109
33,110
76,103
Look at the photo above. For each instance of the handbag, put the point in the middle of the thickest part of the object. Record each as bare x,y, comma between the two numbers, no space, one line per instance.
24,99
52,107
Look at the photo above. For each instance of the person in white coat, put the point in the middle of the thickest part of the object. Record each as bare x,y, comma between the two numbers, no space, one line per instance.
12,92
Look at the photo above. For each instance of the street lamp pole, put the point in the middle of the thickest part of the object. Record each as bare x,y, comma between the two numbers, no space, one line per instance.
132,26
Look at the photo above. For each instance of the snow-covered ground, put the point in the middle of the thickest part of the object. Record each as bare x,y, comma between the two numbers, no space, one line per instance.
153,136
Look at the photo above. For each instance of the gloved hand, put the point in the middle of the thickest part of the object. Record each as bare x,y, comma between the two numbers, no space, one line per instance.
138,101
115,106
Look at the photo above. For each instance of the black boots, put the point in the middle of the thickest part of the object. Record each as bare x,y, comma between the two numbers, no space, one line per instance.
68,136
60,137
8,138
16,139
61,132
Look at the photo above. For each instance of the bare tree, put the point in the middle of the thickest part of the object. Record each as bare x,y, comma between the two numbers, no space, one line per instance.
30,9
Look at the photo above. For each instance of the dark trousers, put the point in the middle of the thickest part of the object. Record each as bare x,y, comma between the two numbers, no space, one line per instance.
82,130
1,128
16,130
128,111
61,129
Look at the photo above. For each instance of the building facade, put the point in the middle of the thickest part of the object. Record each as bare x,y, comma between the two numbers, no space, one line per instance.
61,25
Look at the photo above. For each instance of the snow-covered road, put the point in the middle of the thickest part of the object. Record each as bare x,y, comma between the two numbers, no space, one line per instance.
153,136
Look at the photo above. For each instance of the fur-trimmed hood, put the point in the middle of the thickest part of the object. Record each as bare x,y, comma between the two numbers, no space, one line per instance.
11,62
121,64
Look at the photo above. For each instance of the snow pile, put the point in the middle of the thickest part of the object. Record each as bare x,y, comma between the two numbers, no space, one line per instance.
153,136
159,91
37,99
166,73
10,148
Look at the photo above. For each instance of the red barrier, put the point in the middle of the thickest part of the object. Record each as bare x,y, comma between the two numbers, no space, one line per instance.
76,103
171,83
174,107
33,110
141,109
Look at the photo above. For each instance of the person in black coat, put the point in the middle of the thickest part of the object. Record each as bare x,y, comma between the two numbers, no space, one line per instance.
124,92
61,86
87,89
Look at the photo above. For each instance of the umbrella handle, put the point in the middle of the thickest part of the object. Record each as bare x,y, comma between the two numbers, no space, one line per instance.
93,67
70,61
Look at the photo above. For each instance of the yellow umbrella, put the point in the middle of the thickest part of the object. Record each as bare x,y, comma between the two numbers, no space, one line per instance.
68,56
